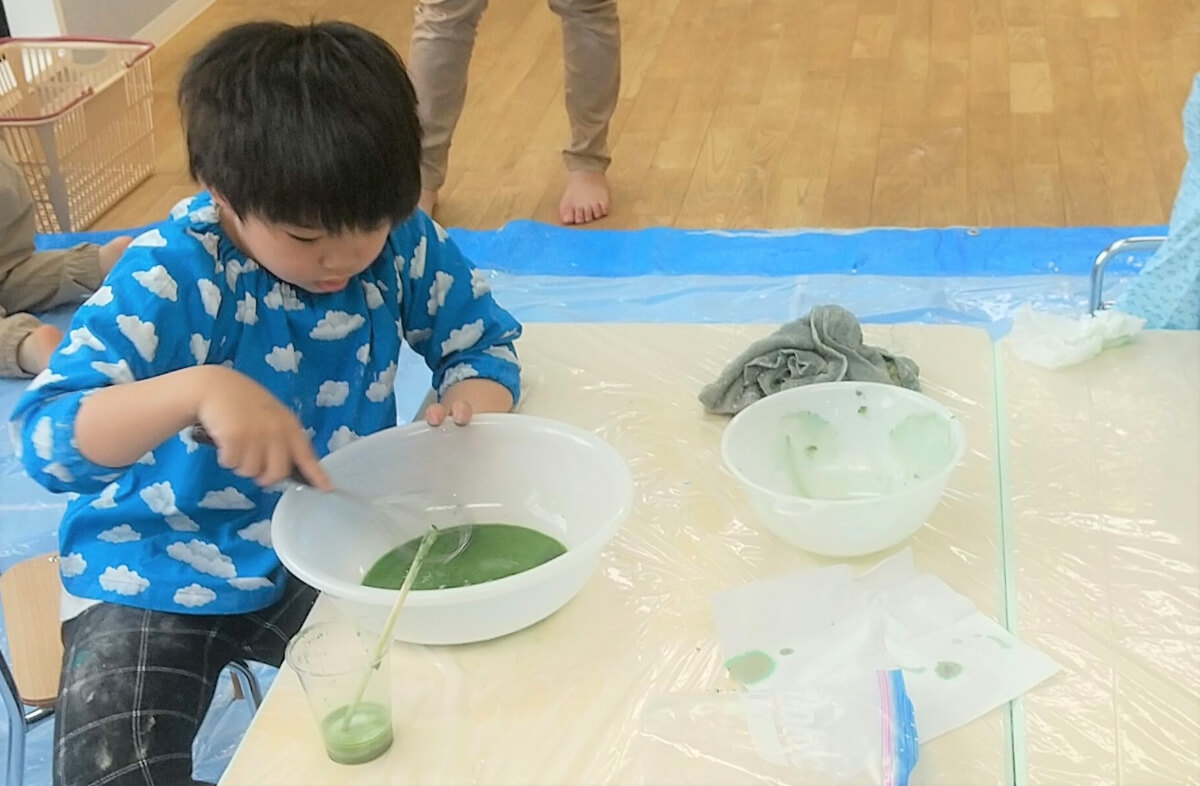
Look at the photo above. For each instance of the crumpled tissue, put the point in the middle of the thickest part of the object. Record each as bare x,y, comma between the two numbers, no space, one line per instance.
1053,341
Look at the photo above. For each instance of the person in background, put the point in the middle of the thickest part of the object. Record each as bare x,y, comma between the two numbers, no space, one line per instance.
1166,293
38,280
442,41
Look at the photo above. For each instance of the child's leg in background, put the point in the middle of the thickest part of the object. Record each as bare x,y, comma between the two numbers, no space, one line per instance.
13,331
592,59
29,280
136,685
442,41
38,280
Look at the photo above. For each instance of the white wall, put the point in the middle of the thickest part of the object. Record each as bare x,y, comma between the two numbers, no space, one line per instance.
111,18
154,20
33,17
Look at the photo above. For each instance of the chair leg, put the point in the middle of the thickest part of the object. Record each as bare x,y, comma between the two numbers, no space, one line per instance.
16,727
1123,246
249,683
16,750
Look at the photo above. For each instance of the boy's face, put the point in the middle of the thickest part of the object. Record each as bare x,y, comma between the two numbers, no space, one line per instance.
312,259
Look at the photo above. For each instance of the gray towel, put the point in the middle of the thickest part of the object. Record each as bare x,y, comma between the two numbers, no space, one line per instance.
825,346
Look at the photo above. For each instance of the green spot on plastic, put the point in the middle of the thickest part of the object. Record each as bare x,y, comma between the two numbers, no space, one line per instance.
751,667
786,651
948,669
863,410
811,450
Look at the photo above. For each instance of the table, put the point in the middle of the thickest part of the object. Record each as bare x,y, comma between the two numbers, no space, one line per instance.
573,700
1102,467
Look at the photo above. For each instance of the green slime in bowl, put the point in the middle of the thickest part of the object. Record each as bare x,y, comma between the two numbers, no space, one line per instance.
492,551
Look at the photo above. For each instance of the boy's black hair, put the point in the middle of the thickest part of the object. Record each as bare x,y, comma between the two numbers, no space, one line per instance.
312,125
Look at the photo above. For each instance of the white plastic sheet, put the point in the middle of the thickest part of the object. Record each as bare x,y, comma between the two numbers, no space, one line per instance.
28,515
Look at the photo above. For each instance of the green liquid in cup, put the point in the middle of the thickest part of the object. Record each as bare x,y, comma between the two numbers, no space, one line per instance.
493,551
366,736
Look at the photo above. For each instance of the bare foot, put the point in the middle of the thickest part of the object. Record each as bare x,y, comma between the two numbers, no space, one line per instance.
585,198
428,201
111,251
34,351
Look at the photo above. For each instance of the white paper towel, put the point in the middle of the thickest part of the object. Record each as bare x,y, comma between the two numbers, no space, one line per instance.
1053,341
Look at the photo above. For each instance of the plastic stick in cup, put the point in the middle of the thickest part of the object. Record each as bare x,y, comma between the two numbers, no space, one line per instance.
385,637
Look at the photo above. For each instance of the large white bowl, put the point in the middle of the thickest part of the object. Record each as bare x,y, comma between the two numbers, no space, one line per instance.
510,469
844,469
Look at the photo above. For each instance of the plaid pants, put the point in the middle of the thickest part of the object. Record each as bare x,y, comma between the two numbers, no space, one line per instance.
136,685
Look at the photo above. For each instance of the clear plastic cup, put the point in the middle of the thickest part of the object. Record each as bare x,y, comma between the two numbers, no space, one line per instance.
333,659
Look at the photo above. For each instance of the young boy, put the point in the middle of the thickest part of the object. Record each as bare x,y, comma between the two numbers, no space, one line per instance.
35,281
270,310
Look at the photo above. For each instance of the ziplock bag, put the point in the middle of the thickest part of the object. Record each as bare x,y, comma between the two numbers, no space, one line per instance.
855,728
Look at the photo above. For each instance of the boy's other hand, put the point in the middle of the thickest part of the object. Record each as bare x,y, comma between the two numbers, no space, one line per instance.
255,435
460,412
462,400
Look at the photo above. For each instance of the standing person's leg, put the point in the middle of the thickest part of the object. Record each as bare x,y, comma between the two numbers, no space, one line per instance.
136,685
442,41
592,58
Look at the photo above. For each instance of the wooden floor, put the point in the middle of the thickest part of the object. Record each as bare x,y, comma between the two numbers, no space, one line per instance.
783,113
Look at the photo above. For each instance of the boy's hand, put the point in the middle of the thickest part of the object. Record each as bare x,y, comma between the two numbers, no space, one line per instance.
255,435
462,401
460,412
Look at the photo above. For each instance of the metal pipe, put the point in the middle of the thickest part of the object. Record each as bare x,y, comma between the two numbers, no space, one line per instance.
252,690
1125,246
16,727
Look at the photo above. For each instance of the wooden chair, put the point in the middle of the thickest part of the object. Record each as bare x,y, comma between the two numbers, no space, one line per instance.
30,593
